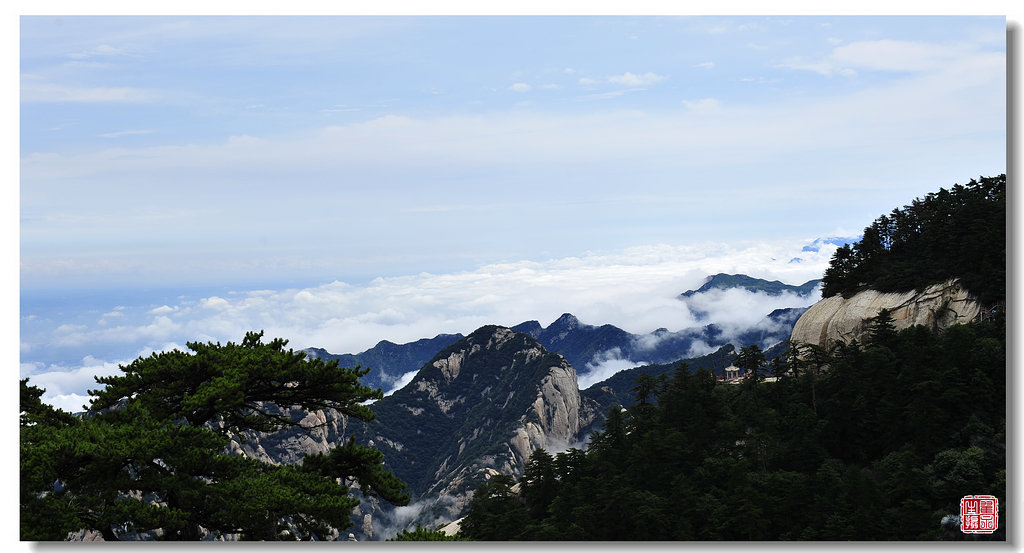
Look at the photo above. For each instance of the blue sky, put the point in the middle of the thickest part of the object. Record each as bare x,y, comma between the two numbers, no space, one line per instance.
342,180
208,149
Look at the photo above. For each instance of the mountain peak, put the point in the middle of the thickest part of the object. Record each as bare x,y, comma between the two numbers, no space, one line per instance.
530,328
568,321
483,403
725,281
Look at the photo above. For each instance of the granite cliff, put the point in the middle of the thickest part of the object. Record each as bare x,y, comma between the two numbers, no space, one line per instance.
479,408
846,319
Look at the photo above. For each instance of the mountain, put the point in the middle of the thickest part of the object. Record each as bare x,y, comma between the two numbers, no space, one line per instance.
480,407
388,361
586,346
723,281
579,343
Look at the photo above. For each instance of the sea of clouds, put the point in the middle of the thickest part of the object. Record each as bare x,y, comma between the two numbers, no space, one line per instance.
635,289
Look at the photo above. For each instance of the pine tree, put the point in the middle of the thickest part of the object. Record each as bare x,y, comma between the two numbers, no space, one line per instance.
152,452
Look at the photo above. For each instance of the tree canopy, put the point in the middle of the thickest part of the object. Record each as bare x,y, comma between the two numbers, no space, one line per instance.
954,233
151,457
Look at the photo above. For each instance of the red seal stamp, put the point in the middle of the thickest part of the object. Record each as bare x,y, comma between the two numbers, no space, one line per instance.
979,514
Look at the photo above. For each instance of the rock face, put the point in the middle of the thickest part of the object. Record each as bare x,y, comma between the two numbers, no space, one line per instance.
325,428
837,318
479,408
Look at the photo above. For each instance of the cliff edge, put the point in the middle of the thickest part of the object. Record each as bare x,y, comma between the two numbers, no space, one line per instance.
837,318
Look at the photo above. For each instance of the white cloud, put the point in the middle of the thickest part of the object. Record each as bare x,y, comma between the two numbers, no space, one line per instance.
119,134
66,387
521,87
39,92
630,79
72,403
737,309
103,50
401,382
704,105
604,365
892,56
340,108
615,93
965,99
897,55
215,303
706,65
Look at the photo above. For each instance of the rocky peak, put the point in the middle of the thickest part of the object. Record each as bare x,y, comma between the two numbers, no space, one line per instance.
837,318
481,405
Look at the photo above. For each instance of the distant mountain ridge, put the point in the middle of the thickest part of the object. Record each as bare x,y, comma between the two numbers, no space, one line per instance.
723,281
389,361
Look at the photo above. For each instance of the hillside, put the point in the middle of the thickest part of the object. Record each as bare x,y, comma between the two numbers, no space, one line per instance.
959,233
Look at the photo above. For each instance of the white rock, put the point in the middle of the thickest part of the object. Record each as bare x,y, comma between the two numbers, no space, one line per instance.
836,318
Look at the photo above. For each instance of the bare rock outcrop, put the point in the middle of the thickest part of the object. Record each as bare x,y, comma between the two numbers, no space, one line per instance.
845,319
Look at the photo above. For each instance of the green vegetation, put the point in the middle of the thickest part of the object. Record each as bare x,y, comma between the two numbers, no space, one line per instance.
955,233
424,534
151,455
878,446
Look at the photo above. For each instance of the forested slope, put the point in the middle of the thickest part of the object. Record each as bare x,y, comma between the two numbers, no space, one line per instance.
955,233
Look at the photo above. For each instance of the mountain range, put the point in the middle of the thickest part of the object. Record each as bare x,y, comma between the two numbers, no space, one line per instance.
585,346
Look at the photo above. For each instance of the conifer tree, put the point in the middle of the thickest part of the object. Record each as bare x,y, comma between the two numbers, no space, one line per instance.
152,452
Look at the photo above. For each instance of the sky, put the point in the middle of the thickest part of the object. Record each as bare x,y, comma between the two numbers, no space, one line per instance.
337,181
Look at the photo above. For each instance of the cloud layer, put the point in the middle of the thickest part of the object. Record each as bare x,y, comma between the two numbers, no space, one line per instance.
635,289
